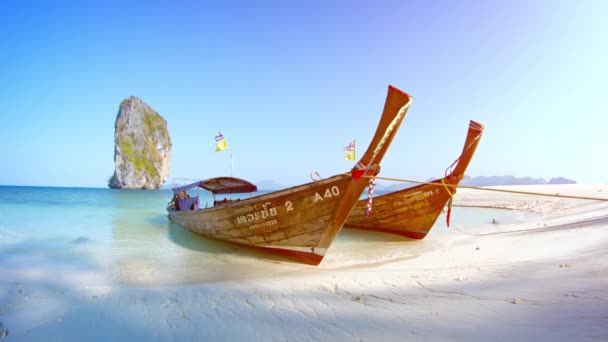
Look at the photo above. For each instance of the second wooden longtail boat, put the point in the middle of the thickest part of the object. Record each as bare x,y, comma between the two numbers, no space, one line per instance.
300,222
412,212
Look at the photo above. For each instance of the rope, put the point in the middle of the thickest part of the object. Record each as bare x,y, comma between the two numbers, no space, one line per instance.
315,176
492,189
390,128
370,195
387,131
445,185
450,169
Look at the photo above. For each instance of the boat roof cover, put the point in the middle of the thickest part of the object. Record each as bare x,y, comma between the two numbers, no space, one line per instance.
221,185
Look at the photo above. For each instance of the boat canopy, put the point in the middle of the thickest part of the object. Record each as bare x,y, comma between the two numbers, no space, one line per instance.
221,185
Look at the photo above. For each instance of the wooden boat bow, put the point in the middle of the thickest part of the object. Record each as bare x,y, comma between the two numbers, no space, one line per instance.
412,212
300,222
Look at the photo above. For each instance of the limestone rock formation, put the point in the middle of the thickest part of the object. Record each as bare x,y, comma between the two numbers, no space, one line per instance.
142,147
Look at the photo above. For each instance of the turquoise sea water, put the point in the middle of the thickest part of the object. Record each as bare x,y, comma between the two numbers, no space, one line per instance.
126,235
78,215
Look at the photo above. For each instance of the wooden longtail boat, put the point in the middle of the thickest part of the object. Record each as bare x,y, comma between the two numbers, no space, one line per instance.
412,212
299,222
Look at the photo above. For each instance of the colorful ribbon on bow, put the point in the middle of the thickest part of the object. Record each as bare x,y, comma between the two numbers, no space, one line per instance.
370,194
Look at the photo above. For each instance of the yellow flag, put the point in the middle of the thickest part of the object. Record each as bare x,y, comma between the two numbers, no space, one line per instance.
220,142
350,151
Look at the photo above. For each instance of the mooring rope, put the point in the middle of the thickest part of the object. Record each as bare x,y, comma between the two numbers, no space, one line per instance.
491,189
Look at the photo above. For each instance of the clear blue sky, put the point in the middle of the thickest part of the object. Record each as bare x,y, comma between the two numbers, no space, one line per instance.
290,83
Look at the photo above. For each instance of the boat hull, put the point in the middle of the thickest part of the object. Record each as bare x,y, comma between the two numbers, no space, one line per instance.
291,222
410,212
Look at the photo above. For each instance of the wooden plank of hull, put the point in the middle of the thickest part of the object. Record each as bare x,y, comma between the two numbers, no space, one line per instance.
412,212
299,222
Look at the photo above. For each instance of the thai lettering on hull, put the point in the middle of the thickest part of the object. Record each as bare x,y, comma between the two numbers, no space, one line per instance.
266,216
259,215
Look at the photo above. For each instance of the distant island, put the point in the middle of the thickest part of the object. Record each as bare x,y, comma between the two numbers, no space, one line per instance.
466,181
511,180
486,181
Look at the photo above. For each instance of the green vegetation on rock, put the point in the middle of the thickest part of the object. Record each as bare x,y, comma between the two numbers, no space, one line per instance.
141,160
142,147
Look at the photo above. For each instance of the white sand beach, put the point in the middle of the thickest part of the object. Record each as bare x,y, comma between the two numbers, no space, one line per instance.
548,281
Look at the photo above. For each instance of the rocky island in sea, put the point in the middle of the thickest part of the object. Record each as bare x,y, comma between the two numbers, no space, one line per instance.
142,147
